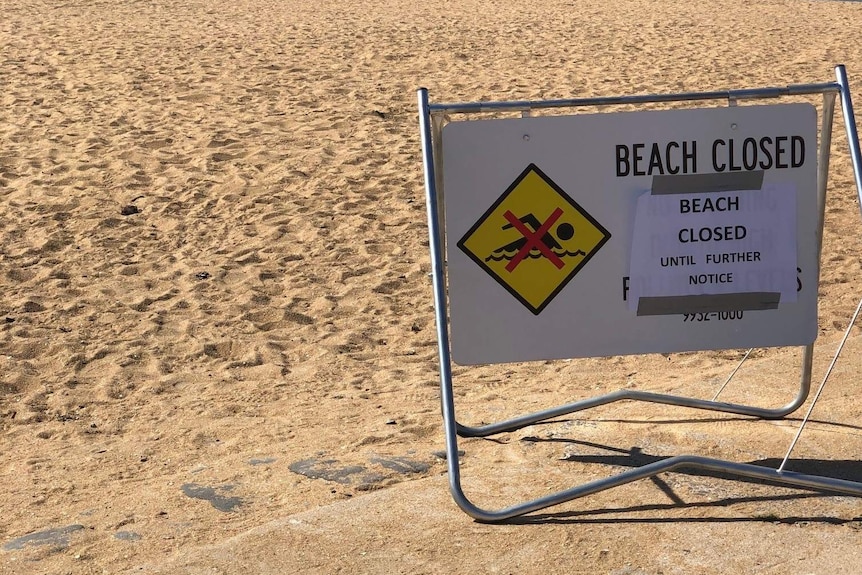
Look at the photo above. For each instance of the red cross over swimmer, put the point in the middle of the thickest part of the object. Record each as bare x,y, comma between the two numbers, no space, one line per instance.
534,239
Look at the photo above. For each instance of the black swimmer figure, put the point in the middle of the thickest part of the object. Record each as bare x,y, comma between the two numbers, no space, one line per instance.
564,231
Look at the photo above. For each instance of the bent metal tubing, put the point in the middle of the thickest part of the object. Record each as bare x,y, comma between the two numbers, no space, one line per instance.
624,394
677,463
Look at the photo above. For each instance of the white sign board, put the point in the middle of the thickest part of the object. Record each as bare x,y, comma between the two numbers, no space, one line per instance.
627,233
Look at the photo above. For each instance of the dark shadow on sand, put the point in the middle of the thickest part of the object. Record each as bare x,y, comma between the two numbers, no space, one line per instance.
635,457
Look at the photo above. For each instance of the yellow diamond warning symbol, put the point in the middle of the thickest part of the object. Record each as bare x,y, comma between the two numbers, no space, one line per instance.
534,239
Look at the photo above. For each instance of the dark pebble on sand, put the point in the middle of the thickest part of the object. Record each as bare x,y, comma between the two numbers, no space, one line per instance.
58,537
223,503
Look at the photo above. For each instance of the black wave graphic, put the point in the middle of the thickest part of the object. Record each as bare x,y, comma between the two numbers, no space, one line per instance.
534,255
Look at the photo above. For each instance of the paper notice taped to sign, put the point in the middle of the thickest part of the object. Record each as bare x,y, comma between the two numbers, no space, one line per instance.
714,251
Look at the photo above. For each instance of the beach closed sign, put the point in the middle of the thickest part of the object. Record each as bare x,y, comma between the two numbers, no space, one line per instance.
628,233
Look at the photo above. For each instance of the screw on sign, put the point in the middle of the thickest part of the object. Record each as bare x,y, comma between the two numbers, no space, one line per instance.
534,255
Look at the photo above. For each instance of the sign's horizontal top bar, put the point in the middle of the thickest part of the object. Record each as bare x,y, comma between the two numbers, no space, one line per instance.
744,94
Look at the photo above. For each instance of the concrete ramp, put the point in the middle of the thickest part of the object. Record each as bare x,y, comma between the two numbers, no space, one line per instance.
415,528
676,523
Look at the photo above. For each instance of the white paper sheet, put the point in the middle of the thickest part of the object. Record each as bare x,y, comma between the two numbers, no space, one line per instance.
715,243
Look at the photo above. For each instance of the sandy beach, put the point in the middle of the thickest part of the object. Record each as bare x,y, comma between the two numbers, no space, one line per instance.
217,318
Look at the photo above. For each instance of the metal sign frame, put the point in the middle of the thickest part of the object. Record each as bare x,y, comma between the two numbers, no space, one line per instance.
431,120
